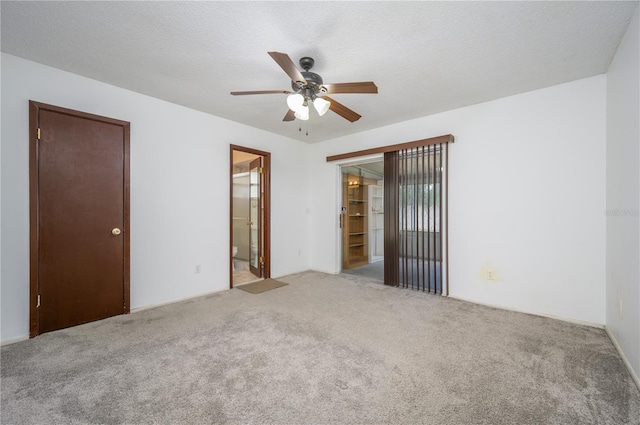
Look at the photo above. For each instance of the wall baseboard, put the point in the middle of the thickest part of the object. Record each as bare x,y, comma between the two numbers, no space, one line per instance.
203,294
139,309
549,316
331,272
290,273
14,340
632,372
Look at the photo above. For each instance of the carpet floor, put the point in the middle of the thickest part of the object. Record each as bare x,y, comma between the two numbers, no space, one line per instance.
322,350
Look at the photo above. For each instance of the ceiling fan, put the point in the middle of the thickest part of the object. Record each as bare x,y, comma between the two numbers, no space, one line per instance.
309,88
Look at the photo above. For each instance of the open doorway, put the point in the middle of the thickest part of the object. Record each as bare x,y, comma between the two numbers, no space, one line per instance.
362,219
249,212
415,187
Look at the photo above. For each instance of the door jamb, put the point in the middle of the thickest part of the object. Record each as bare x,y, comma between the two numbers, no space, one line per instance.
266,219
340,201
34,237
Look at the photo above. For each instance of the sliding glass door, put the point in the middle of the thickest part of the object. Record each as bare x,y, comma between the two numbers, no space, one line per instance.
415,212
415,226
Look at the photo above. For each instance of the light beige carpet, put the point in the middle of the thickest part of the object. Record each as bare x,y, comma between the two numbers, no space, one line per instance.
261,286
322,350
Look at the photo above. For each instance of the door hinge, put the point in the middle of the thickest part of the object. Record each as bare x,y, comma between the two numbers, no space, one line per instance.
261,260
38,133
261,170
38,305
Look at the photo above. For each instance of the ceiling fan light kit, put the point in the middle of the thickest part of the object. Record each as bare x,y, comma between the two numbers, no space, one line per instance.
299,104
321,105
295,101
308,87
302,113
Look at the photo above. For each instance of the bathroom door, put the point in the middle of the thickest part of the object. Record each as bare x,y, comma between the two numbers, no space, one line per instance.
255,217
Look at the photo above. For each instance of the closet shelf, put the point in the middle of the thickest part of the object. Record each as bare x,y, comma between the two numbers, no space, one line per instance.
356,226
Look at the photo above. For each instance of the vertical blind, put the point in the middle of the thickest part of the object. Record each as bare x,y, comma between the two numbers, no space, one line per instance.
414,219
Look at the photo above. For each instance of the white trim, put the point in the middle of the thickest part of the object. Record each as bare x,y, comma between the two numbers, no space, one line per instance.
14,340
549,316
204,294
337,259
632,372
318,270
357,160
377,157
133,311
148,307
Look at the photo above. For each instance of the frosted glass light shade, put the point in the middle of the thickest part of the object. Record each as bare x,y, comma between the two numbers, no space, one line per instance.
295,101
321,105
302,113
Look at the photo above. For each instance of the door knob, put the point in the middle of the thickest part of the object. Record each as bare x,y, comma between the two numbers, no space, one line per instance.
116,231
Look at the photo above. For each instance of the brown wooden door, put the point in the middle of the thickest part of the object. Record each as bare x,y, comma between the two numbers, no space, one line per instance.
81,218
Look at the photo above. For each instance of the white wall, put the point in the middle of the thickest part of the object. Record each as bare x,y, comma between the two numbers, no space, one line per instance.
527,196
623,195
179,189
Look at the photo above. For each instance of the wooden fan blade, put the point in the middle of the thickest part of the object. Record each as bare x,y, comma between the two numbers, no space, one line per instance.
290,116
242,93
361,87
342,110
288,66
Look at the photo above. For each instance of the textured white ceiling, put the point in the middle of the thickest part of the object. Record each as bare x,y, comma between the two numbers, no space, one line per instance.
425,57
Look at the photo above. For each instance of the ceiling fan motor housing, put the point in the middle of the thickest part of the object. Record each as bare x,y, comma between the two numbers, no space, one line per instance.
306,63
314,81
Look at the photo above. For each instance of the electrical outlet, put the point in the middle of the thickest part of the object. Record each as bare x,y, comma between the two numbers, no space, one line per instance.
488,273
197,268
